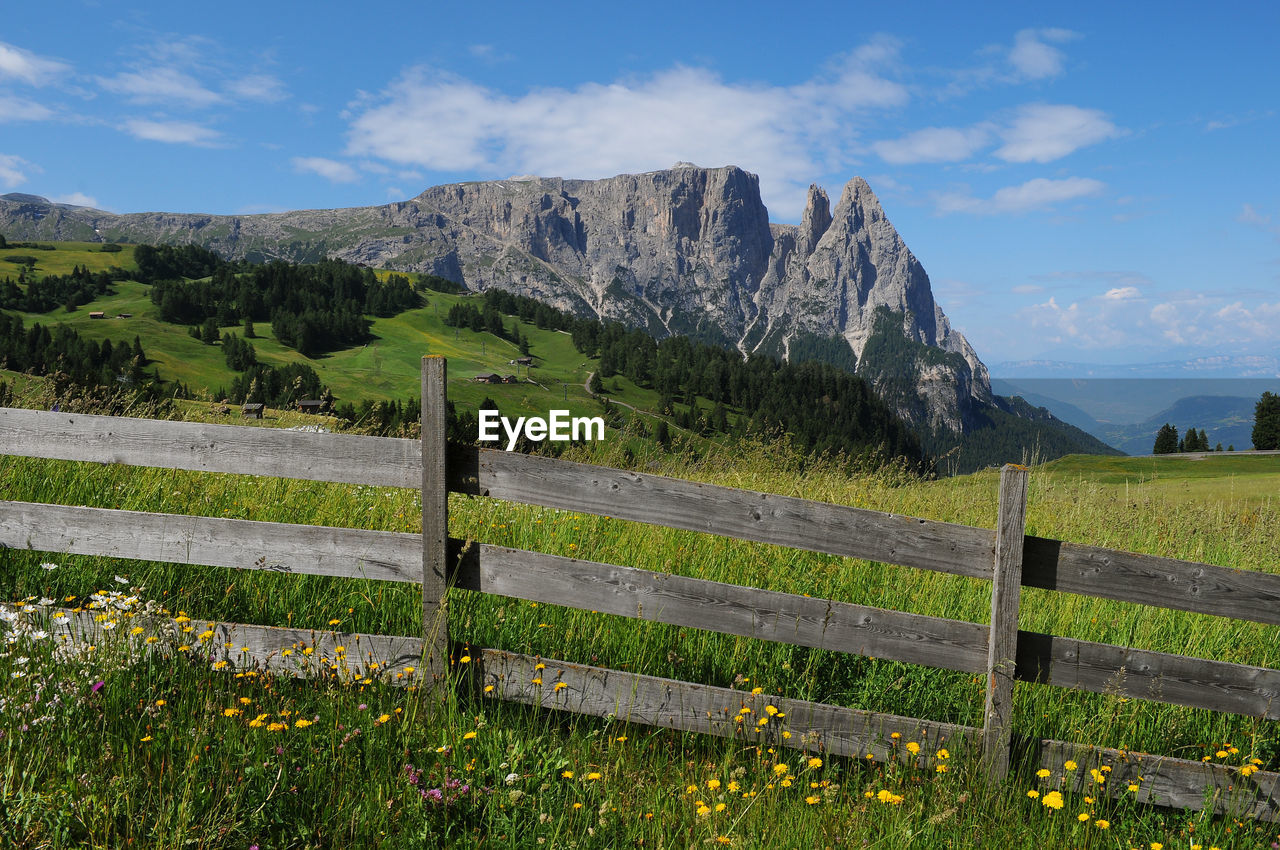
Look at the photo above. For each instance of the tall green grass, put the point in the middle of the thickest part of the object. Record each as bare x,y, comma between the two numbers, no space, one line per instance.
87,776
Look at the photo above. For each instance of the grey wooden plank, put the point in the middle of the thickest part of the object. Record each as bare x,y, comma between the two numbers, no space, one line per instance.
1151,580
1163,781
234,543
725,608
762,517
435,518
239,449
1002,643
1155,676
671,704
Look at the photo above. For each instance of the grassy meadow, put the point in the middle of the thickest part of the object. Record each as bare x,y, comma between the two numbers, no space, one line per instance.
166,751
101,748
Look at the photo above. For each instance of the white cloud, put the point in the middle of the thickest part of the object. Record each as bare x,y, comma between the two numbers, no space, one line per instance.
1120,319
161,85
338,172
1250,216
1036,194
26,66
444,122
79,199
13,170
173,132
934,144
1042,132
263,88
1123,293
22,109
1032,58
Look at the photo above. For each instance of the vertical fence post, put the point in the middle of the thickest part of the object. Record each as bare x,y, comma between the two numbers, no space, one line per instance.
1002,644
435,523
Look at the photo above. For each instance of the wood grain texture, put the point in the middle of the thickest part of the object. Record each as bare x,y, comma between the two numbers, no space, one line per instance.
234,543
1002,643
745,514
725,608
671,704
1151,580
1142,674
1170,782
435,518
240,449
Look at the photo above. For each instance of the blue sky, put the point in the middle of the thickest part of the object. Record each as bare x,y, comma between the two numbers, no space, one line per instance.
1092,182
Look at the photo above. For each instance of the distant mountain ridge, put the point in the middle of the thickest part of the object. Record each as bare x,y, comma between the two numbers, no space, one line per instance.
687,251
1211,366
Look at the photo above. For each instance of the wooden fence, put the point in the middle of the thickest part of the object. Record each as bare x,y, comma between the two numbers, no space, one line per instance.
999,651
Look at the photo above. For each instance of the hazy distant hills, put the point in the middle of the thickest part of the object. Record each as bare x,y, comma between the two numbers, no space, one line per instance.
1127,412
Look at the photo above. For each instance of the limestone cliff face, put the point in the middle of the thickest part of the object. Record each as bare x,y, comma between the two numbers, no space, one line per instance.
687,251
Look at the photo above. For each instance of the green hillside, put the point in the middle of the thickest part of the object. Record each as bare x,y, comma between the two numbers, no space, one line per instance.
1228,477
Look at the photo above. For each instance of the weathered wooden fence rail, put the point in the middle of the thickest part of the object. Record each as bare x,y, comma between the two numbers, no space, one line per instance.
998,650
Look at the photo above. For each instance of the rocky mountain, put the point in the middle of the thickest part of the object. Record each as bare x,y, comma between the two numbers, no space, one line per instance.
688,250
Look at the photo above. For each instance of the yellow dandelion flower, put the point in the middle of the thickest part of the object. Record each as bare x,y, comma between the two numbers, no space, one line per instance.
896,735
1133,789
943,754
1042,773
302,723
780,769
539,666
1220,754
691,789
720,839
1069,765
161,703
577,806
184,648
568,774
148,738
466,659
786,736
277,727
537,681
219,665
732,786
594,777
942,768
136,630
245,700
307,650
621,739
813,801
815,763
1102,824
560,686
334,621
152,639
713,784
1053,800
230,712
1082,817
913,748
1033,793
786,783
469,736
488,689
1098,776
1156,845
383,718
771,710
757,690
720,807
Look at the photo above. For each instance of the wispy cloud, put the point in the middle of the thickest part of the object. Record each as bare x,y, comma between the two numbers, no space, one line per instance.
445,122
79,199
1037,194
1032,55
1043,132
1249,215
162,85
330,169
19,64
14,170
934,144
21,109
263,88
173,132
